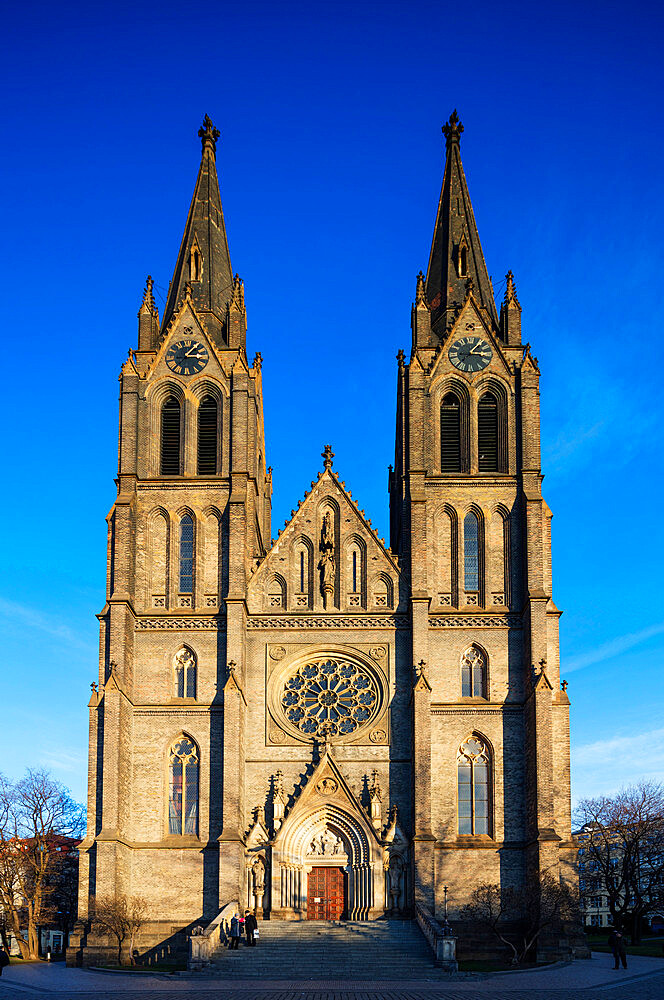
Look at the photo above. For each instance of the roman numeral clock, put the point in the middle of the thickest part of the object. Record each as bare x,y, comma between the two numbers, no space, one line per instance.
470,354
187,357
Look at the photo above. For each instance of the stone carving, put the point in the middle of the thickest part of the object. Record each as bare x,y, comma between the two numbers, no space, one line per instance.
184,659
327,786
326,844
211,624
377,735
277,652
323,622
475,621
326,563
331,695
378,652
277,736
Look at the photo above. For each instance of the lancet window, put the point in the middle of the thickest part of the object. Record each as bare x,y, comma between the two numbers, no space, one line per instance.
473,762
187,554
183,788
450,434
471,552
185,673
473,674
170,437
487,433
207,436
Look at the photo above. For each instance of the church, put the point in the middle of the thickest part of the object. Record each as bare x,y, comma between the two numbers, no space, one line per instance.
320,726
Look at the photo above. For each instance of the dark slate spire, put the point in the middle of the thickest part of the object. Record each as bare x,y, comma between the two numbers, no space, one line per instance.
204,261
456,254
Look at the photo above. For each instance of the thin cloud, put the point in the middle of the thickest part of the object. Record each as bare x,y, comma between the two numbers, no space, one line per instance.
606,766
63,759
613,648
44,623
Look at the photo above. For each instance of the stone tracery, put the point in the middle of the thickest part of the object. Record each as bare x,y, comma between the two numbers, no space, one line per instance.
331,696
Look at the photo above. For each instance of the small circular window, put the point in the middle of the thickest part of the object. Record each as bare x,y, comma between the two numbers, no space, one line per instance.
330,696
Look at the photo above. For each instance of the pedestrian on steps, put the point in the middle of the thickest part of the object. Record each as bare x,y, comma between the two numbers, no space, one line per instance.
250,925
617,946
234,933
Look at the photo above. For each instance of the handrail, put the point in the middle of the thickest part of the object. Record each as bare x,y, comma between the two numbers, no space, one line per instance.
443,945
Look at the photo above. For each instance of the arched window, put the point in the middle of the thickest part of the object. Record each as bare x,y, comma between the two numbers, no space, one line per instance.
473,674
450,434
355,571
187,555
463,261
487,433
473,786
183,788
184,663
170,437
471,552
207,437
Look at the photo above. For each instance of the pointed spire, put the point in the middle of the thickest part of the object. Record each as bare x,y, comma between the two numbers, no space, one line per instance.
204,259
148,319
456,252
510,313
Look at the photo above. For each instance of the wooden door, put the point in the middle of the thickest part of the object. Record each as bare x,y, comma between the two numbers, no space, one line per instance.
326,894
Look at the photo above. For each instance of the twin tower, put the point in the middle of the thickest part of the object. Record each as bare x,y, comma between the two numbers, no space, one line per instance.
321,727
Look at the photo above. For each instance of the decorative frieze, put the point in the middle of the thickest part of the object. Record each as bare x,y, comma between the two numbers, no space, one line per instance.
475,621
328,621
198,624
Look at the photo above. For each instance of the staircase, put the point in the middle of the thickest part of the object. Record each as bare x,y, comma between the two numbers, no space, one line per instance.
322,950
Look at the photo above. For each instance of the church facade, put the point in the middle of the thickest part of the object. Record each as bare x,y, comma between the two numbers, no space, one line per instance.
320,726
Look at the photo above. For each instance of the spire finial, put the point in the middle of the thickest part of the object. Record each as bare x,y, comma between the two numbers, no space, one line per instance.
209,134
452,129
510,289
420,297
147,305
327,455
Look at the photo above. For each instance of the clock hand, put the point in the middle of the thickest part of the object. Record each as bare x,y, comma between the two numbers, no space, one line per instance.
473,349
189,354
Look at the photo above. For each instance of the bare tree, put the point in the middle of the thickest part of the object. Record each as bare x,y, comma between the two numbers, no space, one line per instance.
122,916
37,818
623,844
518,916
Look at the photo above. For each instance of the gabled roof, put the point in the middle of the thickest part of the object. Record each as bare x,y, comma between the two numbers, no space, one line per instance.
321,485
455,232
204,234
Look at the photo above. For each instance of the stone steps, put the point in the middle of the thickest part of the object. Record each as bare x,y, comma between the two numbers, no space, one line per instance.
384,949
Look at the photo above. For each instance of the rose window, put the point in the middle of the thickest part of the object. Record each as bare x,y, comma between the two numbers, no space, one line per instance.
330,697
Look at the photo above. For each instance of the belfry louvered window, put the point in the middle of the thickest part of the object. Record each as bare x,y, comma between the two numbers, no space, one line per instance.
207,437
170,437
450,434
187,555
487,433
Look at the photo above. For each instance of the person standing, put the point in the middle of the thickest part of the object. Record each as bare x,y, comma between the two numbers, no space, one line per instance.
234,933
4,959
250,925
617,946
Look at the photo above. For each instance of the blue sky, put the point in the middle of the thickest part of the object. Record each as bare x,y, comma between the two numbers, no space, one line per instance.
330,163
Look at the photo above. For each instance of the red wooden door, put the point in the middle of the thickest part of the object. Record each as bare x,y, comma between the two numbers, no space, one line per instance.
326,894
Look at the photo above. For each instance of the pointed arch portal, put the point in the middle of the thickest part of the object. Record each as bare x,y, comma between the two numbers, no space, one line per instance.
326,866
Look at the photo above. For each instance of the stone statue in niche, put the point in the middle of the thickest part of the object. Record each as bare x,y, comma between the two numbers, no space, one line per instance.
326,564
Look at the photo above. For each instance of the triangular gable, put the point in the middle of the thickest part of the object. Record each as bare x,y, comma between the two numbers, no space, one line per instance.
326,784
185,315
354,521
470,313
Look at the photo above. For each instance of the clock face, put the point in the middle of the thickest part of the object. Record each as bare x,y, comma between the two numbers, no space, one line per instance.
470,354
187,357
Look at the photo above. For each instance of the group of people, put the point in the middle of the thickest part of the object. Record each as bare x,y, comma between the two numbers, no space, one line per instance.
246,924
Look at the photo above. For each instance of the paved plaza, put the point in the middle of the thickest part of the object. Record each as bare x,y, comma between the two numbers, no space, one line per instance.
589,980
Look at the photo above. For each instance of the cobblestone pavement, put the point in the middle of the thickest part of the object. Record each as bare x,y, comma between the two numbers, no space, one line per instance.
589,980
